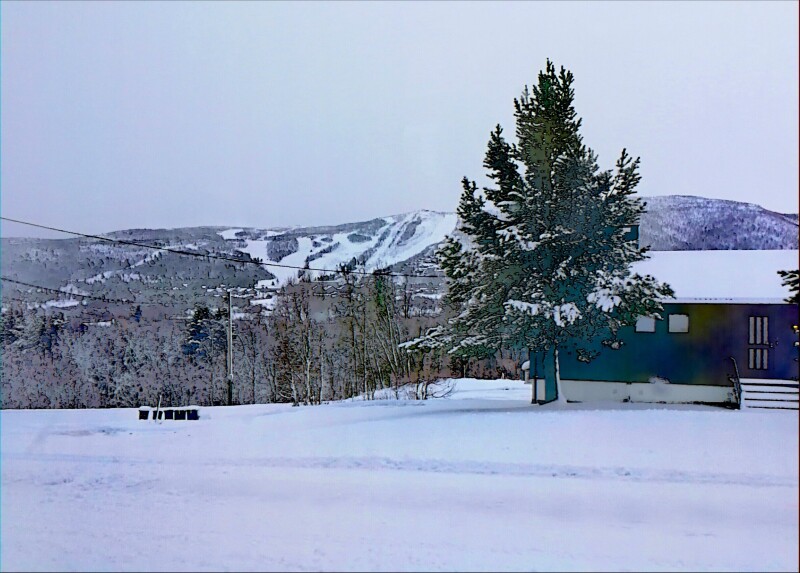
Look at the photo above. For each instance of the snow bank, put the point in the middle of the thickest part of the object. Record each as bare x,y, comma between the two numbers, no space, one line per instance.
479,480
62,303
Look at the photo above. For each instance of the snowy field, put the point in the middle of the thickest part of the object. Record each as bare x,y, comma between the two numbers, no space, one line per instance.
477,481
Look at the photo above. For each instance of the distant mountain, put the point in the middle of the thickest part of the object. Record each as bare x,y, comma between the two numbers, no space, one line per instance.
117,271
378,243
671,223
405,242
689,223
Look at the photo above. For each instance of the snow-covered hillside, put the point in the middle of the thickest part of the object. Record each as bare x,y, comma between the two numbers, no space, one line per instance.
375,244
684,222
671,223
674,222
407,242
478,481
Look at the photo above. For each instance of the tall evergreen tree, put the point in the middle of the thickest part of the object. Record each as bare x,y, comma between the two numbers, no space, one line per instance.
791,280
206,332
541,260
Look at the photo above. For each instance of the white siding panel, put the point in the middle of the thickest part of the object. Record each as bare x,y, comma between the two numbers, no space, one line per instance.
590,391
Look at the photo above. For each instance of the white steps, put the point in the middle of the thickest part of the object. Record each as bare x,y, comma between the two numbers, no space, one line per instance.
770,394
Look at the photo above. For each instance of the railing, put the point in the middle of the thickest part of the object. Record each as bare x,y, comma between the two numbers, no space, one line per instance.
737,383
770,394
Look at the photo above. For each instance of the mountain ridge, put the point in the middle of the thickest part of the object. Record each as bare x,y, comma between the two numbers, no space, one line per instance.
405,242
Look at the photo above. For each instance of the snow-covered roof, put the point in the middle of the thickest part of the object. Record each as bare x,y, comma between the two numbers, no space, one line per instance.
722,276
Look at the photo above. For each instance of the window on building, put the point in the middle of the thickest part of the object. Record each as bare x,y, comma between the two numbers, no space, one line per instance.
759,330
758,335
679,323
758,358
645,324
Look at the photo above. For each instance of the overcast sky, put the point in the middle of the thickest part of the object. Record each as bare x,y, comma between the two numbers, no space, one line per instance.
145,114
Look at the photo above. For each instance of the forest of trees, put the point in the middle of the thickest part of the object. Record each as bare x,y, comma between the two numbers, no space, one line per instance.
322,342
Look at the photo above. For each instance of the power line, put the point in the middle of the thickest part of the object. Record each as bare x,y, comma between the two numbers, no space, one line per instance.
58,291
94,313
100,298
218,257
171,303
192,254
12,299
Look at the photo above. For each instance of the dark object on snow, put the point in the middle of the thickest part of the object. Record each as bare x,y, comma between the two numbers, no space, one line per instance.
172,413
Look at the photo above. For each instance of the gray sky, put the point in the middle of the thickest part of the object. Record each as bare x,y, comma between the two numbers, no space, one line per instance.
126,114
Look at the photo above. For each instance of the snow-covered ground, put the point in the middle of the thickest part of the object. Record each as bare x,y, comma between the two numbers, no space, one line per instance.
477,481
230,234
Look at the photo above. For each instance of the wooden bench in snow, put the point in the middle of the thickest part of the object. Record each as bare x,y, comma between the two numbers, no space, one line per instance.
171,413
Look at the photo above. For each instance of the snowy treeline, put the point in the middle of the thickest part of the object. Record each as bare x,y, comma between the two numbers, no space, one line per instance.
51,362
333,341
676,223
323,341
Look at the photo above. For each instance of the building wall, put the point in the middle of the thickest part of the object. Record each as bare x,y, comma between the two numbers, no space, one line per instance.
594,391
699,356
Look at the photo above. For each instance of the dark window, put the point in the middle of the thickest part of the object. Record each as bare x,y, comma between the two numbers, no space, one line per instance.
758,358
759,330
758,336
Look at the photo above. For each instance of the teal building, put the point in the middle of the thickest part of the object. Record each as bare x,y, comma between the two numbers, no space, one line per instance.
729,324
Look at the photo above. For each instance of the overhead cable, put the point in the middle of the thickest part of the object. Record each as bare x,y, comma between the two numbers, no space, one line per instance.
59,291
217,257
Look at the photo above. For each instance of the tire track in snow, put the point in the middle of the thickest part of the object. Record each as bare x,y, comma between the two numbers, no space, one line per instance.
374,463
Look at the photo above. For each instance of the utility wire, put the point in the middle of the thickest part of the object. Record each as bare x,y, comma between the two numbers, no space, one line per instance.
313,292
218,257
58,291
12,299
187,253
171,303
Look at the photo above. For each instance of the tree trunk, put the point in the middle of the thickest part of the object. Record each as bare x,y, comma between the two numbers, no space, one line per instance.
364,334
253,371
321,373
560,396
295,401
